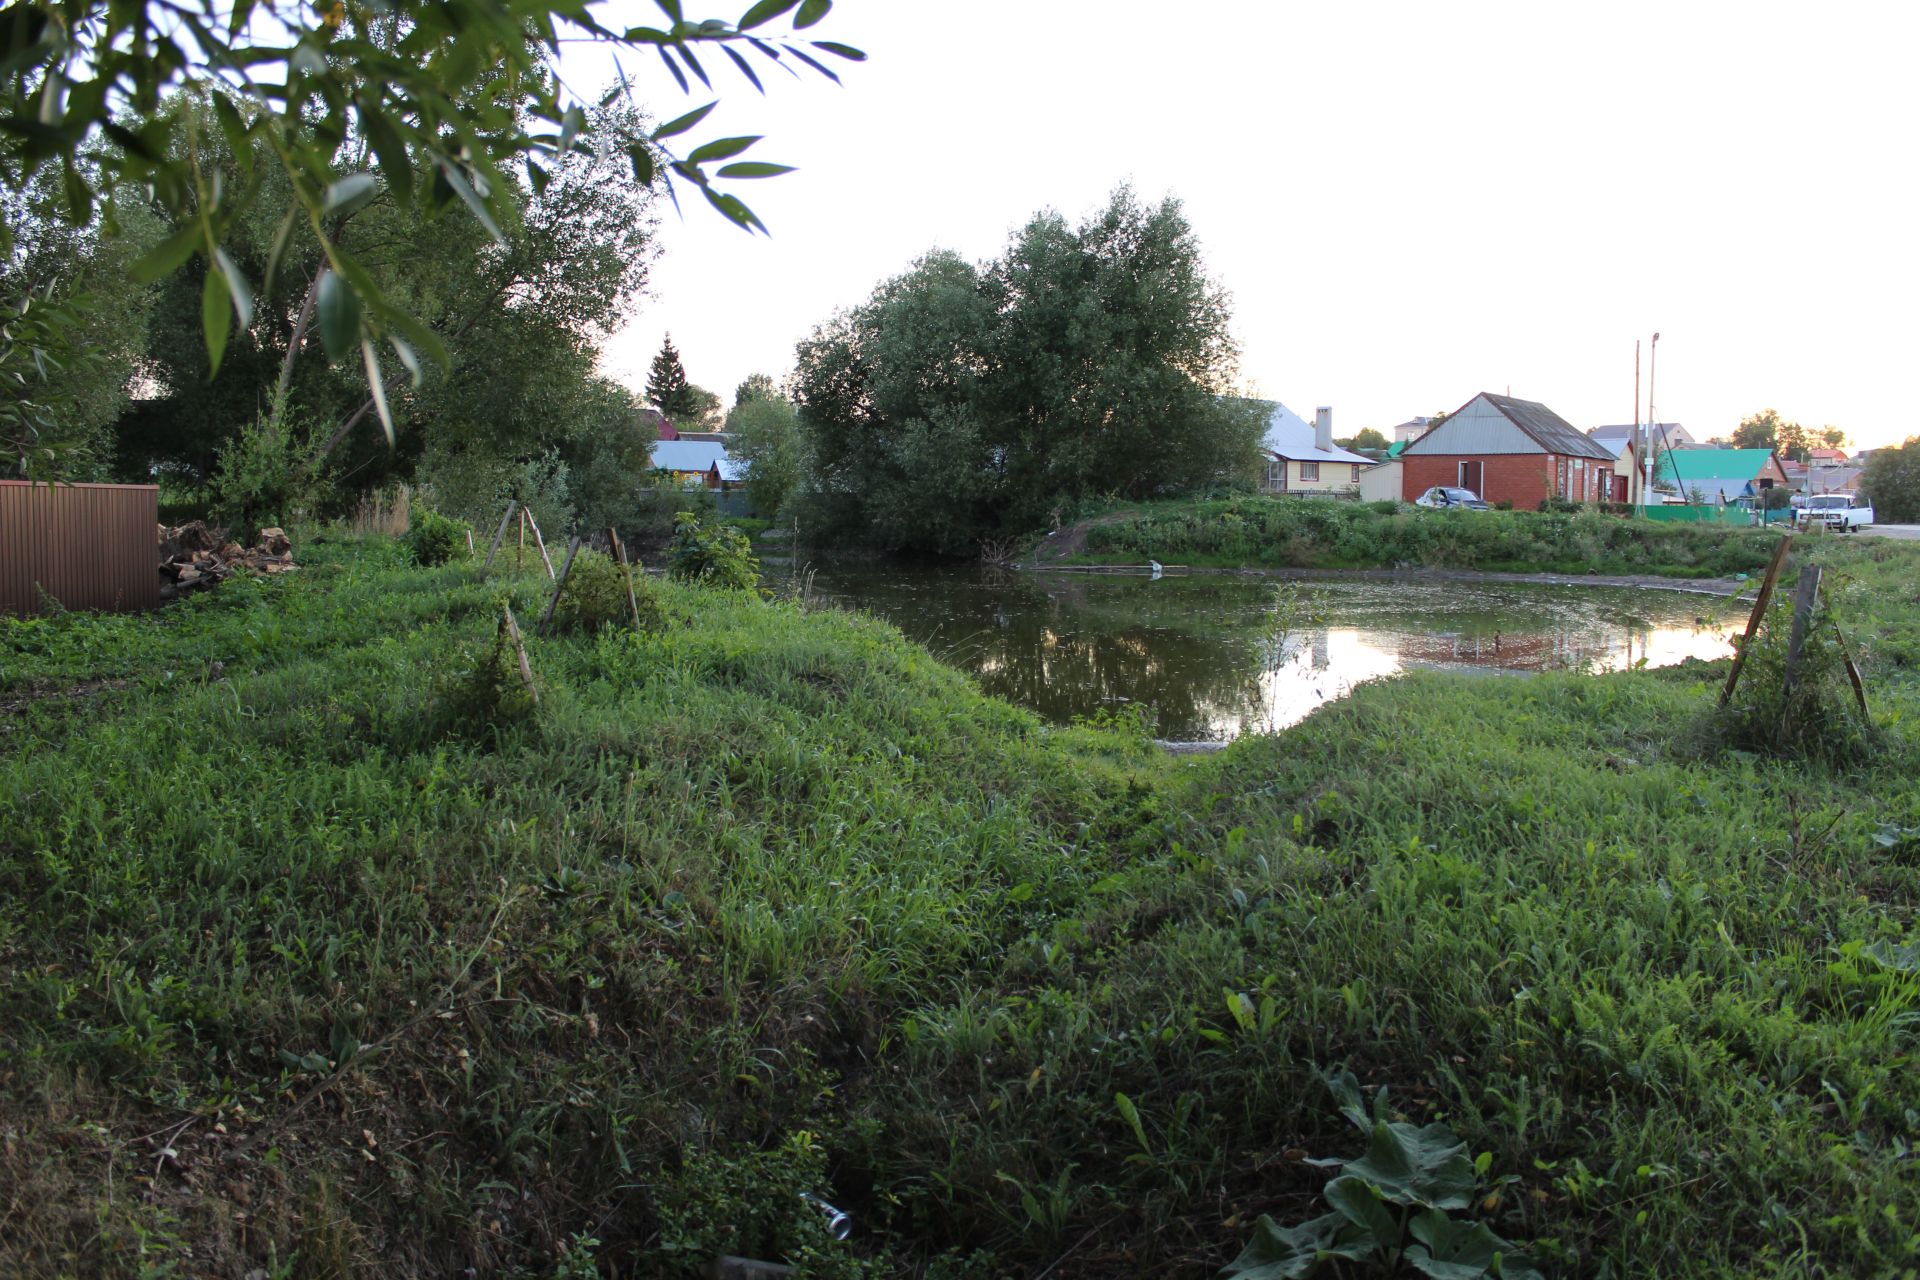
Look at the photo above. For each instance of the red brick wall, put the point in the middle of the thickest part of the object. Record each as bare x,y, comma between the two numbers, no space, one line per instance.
1520,478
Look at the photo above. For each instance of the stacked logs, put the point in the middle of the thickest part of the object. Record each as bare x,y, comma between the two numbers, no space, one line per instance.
194,557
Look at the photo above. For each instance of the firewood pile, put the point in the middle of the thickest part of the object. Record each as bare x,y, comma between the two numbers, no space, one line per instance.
194,557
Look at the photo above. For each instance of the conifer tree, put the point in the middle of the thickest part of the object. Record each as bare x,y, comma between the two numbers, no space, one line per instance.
667,389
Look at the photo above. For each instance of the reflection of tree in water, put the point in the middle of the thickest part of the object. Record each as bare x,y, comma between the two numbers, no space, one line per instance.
1209,654
1065,662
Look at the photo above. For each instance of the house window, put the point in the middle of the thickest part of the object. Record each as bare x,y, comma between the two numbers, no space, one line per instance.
1309,471
1356,473
1563,477
1276,475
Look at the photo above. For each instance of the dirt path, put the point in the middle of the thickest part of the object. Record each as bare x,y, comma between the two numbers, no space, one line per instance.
1072,540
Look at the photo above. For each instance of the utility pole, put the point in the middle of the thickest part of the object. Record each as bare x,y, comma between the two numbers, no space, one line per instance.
1637,496
1653,418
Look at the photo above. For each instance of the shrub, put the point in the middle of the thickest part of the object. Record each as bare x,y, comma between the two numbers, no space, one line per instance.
433,538
711,555
265,477
596,596
485,699
1818,719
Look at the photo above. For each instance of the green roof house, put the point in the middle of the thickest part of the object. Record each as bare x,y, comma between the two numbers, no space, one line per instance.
1720,474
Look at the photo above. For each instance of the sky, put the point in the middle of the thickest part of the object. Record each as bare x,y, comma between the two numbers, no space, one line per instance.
1409,203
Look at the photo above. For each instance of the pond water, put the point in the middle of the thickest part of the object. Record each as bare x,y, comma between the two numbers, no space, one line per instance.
1212,657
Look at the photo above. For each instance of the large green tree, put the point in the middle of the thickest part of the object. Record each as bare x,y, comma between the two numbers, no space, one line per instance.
75,333
1892,480
964,403
763,432
1768,430
667,387
519,322
435,107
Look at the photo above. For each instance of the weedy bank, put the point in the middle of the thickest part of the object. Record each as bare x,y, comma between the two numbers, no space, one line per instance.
1309,533
315,964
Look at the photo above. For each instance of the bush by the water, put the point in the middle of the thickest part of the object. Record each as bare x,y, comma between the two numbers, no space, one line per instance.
433,538
1818,717
1323,533
713,555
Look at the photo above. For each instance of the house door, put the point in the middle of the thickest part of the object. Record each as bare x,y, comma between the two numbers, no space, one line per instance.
1472,475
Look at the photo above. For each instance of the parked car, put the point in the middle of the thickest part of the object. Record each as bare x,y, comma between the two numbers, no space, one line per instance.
1839,512
1443,496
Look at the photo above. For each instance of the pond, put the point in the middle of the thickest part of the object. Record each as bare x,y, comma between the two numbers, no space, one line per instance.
1212,657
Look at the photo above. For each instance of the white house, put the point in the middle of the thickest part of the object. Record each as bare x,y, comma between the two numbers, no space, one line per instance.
1302,458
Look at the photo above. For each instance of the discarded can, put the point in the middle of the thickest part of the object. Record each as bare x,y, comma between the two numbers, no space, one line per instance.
839,1221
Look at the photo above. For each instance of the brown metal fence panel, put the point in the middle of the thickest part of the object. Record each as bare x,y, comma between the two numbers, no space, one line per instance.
88,546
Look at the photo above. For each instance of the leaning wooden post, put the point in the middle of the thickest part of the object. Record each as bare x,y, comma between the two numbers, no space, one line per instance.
1806,594
520,550
626,570
1853,672
566,568
499,533
469,542
541,543
1759,613
511,630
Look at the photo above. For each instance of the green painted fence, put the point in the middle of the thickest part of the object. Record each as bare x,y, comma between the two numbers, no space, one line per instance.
1712,514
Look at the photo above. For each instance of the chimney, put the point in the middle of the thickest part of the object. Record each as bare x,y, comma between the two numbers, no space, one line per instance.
1323,427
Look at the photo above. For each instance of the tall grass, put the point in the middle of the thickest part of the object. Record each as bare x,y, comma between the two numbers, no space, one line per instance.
301,977
1319,533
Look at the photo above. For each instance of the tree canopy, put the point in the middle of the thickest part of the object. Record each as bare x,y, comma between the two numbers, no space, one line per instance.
1892,480
432,107
963,402
1768,430
667,389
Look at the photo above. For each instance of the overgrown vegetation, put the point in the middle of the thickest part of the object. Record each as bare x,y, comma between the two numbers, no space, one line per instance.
774,903
712,555
1324,534
962,403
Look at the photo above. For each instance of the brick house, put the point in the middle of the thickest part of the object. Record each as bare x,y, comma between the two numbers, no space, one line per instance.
1509,450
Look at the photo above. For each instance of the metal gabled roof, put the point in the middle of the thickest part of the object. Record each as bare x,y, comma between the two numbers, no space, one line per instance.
1553,432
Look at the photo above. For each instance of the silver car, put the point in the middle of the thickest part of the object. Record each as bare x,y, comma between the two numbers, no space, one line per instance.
1444,496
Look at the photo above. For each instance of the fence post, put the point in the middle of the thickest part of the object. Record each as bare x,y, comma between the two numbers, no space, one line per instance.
541,543
1759,612
573,547
626,570
498,534
511,630
1805,595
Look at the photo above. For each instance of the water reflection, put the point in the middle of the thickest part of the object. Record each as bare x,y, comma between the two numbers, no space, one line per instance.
1213,657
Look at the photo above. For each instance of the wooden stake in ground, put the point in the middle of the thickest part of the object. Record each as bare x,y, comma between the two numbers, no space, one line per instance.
566,568
541,543
620,554
1853,672
1806,594
469,542
1759,612
498,534
511,630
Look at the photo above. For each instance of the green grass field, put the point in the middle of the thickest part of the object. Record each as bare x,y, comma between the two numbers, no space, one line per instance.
310,970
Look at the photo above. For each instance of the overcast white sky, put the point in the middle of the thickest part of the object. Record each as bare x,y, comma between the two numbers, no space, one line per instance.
1409,202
